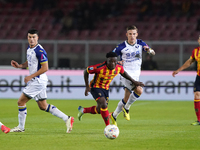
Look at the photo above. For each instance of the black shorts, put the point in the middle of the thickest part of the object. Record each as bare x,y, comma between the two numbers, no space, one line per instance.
98,92
197,84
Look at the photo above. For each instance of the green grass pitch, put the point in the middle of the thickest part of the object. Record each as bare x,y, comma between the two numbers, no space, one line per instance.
154,125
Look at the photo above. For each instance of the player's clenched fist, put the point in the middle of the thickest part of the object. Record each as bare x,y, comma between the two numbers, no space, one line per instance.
14,64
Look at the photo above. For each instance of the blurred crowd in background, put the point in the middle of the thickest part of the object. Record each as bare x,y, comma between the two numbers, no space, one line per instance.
91,16
157,20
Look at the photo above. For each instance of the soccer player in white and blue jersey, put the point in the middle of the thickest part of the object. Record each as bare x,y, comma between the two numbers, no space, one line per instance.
37,62
130,52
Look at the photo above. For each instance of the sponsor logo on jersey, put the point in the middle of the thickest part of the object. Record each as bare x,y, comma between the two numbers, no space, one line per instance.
91,68
43,57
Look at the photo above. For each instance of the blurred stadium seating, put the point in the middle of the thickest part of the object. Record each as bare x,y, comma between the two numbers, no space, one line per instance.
16,18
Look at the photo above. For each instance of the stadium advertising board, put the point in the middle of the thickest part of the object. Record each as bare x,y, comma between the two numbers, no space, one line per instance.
67,84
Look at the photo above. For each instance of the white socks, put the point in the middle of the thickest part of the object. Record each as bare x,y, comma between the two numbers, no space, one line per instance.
119,108
56,112
131,100
50,108
1,124
22,116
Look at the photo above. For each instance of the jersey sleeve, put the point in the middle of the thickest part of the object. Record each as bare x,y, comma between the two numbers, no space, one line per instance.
193,55
41,56
121,68
91,69
142,43
119,48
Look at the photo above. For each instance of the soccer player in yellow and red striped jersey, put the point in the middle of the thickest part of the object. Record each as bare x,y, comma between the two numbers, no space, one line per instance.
194,57
99,86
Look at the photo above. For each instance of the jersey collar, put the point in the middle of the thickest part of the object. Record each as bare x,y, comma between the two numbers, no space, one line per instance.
130,44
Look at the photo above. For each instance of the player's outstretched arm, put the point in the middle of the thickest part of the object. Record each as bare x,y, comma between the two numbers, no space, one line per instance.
87,88
136,83
184,66
149,50
16,65
174,73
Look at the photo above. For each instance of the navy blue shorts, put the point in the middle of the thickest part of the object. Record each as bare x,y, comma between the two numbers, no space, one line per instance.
197,84
98,92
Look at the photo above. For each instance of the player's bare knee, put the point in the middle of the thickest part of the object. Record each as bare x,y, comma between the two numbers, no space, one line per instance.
125,99
42,108
103,105
102,102
139,90
98,109
197,95
20,103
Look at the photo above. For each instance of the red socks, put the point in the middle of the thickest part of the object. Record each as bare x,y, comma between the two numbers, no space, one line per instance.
105,115
197,108
91,110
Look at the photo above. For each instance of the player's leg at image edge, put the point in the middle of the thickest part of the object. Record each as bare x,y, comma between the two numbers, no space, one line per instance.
197,111
4,128
195,123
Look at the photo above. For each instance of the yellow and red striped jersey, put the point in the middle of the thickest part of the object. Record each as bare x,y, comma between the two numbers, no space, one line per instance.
196,55
103,76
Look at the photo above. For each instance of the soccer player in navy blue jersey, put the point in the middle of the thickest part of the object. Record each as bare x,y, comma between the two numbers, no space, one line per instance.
130,52
37,63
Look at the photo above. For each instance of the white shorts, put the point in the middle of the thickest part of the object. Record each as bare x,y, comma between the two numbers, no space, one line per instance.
127,83
36,89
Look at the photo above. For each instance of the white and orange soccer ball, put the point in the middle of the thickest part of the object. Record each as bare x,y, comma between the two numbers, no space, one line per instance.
111,131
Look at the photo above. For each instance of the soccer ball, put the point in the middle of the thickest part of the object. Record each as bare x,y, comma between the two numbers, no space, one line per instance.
111,131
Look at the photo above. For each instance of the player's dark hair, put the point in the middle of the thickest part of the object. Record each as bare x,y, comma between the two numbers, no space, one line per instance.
111,54
33,31
131,28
